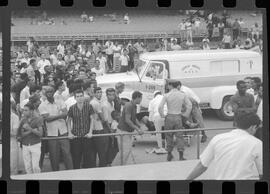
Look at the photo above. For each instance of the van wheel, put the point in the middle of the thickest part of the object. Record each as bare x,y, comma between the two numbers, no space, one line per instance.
225,113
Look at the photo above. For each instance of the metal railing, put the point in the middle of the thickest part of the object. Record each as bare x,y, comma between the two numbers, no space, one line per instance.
197,130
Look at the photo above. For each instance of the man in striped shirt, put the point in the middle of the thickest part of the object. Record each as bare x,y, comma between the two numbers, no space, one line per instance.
80,127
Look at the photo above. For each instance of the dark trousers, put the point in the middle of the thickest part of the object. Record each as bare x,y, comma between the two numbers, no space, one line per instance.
124,68
82,152
130,63
37,77
100,148
44,150
235,34
57,147
110,61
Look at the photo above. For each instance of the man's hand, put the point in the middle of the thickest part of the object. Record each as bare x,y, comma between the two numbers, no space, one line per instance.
89,135
27,127
70,135
140,131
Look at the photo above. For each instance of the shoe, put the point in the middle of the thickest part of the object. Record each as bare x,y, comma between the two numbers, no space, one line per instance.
182,158
204,139
161,151
169,157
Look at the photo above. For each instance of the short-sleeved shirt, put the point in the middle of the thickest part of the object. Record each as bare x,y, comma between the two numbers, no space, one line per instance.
34,122
97,106
124,60
81,119
56,126
107,109
236,155
129,108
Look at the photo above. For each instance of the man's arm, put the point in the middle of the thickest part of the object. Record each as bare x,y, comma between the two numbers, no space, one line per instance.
197,171
161,107
129,122
38,131
188,106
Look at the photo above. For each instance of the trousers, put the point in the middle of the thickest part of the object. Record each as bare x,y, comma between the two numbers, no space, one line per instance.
82,152
55,148
173,122
159,123
31,155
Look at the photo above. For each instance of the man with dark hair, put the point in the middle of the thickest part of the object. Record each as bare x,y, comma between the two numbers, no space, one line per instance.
88,89
234,153
60,89
119,88
100,143
30,133
80,127
129,123
175,101
34,89
242,102
54,114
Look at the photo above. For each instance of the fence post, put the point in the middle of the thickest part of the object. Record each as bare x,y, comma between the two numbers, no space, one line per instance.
198,144
121,150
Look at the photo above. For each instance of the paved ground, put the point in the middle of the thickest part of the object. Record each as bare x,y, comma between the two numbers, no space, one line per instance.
148,142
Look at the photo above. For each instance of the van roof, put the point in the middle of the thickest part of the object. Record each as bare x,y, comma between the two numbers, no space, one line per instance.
198,54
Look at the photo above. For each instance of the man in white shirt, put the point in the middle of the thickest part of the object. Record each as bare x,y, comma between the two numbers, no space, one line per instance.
42,63
237,154
25,93
97,69
102,61
155,117
71,99
26,58
124,61
61,48
109,52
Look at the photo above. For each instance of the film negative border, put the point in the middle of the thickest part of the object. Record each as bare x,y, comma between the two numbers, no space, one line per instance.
179,187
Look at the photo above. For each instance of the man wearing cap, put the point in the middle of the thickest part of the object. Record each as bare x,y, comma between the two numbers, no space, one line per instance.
54,114
155,117
175,100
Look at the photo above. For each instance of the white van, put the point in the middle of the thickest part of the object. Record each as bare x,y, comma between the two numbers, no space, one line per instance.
211,74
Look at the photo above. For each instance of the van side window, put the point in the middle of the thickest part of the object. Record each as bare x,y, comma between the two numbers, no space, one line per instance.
225,67
156,71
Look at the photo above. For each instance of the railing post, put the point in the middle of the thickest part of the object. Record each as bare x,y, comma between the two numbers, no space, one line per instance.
198,144
121,150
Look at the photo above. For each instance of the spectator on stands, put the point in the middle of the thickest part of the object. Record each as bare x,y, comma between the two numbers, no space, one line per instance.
53,57
197,24
26,58
34,90
221,27
61,48
109,52
227,41
96,47
182,28
131,53
69,57
255,31
210,28
174,45
117,53
126,19
124,59
84,17
188,26
205,45
61,92
236,29
41,64
25,93
97,69
102,61
30,45
91,18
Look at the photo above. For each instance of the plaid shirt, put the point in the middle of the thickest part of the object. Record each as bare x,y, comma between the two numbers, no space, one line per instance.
81,119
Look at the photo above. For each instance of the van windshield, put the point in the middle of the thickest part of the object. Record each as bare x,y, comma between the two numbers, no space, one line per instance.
141,65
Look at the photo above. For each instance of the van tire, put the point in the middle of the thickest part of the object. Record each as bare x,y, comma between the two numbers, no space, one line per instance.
222,113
